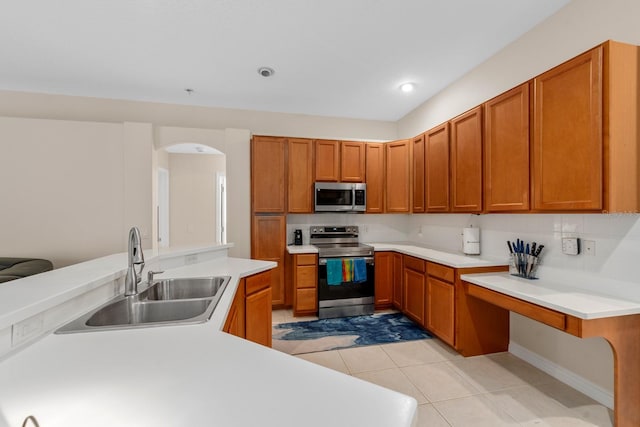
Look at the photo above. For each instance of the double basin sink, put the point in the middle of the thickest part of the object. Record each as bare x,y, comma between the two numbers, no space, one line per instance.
164,302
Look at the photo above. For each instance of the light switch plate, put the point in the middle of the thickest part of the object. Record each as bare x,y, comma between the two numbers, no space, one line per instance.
570,245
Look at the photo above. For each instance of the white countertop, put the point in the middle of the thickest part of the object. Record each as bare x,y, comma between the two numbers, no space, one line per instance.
186,375
455,260
576,301
302,249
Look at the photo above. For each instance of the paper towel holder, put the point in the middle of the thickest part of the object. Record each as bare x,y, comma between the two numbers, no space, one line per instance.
471,241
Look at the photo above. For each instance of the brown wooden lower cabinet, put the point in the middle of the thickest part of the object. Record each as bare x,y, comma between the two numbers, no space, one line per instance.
441,302
250,313
398,275
268,243
383,280
305,284
415,289
235,323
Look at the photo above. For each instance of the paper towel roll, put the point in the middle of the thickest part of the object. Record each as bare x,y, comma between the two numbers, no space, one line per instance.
471,241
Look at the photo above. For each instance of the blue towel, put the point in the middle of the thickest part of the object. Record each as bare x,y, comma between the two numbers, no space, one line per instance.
359,270
334,272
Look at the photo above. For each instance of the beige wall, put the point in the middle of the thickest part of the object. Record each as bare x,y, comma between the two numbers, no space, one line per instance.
34,105
235,144
74,154
581,25
62,188
192,191
238,154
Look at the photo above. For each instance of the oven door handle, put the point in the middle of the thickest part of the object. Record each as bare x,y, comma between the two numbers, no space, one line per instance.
368,259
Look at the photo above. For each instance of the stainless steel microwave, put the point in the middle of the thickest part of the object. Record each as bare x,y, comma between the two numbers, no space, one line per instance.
340,197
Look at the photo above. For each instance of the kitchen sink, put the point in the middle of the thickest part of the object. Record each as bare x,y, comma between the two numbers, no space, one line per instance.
130,312
200,287
165,302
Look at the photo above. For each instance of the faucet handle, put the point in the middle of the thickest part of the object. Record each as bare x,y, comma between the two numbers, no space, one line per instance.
150,275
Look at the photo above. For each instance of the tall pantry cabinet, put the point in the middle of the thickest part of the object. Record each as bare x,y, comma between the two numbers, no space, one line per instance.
268,207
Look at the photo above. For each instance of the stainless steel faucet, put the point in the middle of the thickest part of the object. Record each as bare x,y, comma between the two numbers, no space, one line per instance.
136,257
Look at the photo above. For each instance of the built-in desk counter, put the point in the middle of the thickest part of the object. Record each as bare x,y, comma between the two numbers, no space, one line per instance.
581,312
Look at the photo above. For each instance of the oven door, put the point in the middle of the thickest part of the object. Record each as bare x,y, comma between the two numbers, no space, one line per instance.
346,291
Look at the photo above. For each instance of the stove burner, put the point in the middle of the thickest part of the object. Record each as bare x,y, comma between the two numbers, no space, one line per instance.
338,241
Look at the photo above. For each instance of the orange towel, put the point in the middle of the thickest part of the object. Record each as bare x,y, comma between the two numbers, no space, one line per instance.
347,270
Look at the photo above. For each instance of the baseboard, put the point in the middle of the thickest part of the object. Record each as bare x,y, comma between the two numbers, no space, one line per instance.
594,391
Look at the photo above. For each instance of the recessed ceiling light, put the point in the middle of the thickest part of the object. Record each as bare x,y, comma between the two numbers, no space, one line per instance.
266,71
407,87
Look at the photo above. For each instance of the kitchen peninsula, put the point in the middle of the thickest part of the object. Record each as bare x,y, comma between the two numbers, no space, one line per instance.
173,375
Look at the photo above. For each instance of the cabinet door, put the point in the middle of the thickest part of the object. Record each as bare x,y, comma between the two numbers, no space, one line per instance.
235,323
383,279
300,193
440,312
269,243
418,174
415,295
352,161
398,275
437,169
567,136
327,160
258,318
305,284
506,149
398,188
375,177
466,162
268,170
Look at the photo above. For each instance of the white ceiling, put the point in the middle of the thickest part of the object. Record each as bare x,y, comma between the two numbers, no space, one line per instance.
342,58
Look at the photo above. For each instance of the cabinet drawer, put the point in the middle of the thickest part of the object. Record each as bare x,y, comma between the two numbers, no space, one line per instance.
532,311
415,264
306,300
440,271
258,282
306,276
306,259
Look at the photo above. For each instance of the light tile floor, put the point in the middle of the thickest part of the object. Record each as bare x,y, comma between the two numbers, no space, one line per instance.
493,390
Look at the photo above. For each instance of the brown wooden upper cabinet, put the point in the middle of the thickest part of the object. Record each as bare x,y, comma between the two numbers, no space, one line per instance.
418,174
352,164
567,138
375,158
398,188
466,162
300,194
506,148
327,160
437,169
268,174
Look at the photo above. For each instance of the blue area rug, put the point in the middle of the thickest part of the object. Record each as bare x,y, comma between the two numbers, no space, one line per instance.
344,332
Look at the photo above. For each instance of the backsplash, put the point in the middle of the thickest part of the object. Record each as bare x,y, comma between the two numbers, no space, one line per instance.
373,227
616,237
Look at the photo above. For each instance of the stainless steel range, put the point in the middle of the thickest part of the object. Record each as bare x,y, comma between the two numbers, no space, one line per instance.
339,252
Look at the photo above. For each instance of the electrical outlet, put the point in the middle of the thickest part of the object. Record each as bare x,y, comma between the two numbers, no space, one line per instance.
191,259
589,247
570,245
26,329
